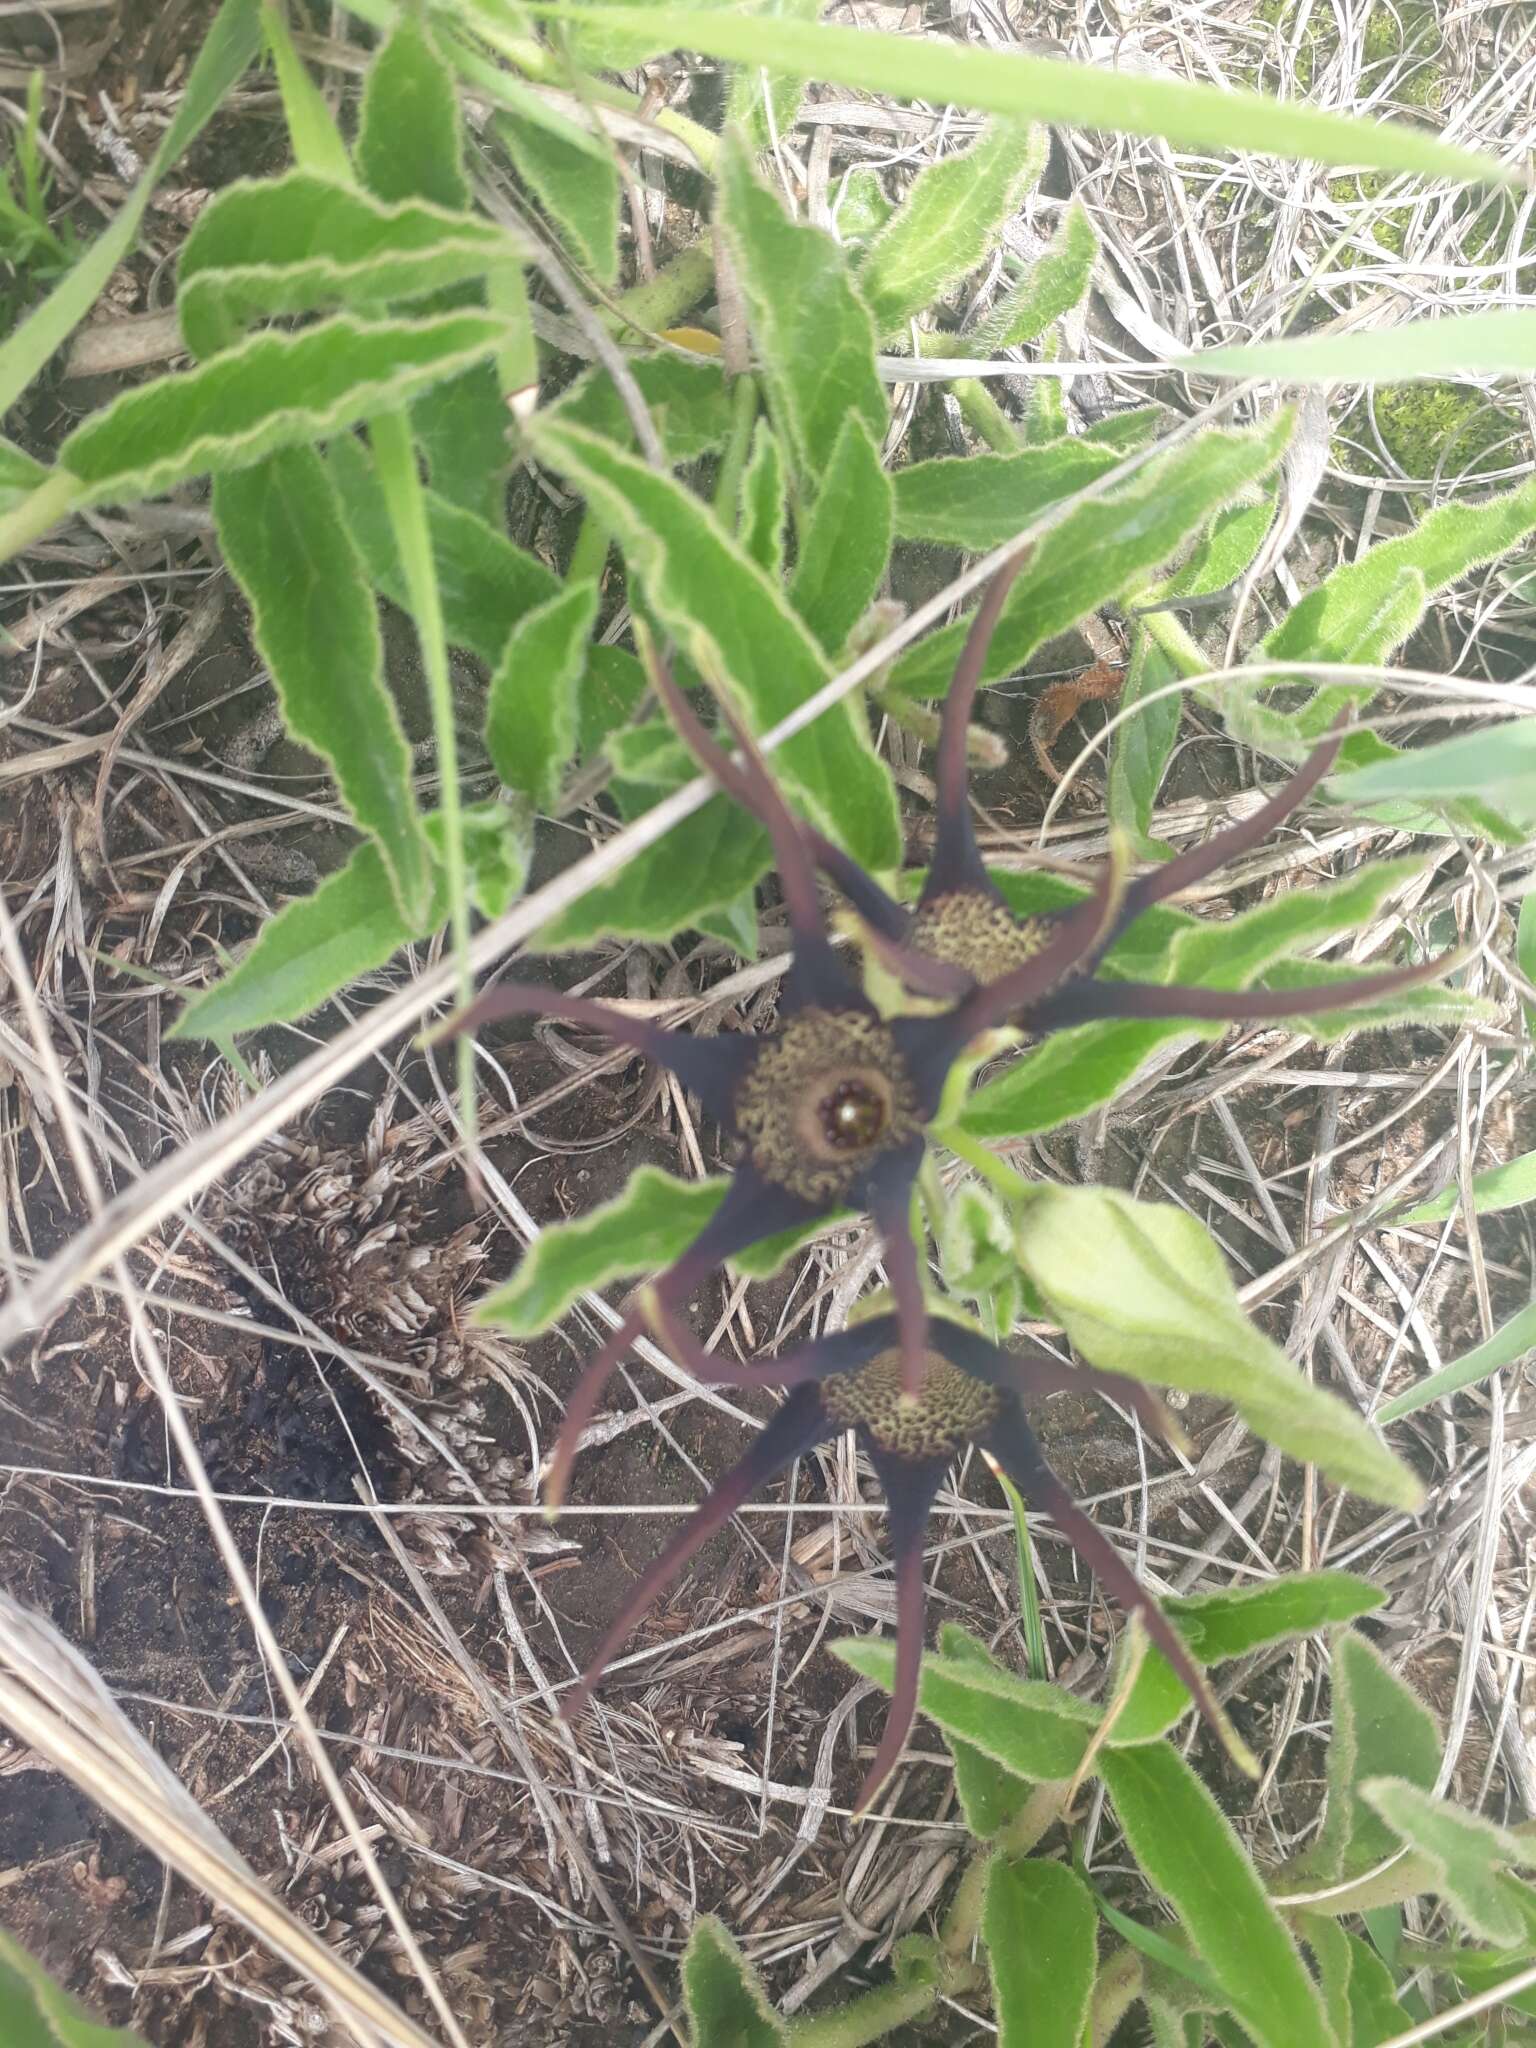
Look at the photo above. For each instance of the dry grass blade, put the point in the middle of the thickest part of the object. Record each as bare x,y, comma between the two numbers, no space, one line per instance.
56,1704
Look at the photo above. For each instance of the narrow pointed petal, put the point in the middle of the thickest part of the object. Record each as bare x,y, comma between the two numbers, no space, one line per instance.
750,783
916,971
752,1209
888,1192
882,913
1191,867
910,1488
1087,1002
1074,940
957,861
818,1358
1032,1373
799,1426
1011,1443
710,1066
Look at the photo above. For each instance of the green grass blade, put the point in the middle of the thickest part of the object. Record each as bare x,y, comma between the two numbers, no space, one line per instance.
1048,89
1495,343
1511,1341
231,44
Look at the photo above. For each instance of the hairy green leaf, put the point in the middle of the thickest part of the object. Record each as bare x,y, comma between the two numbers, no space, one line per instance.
574,179
1374,2012
1197,117
815,344
1098,551
1141,1289
1127,431
727,2006
295,244
486,583
229,46
313,948
531,713
1219,1626
861,206
948,222
1056,282
655,1217
764,501
845,543
273,391
1367,607
315,624
1510,1343
989,1795
1331,1954
498,851
1467,1854
1189,1851
1408,1006
410,142
1497,765
686,398
1073,1071
1040,1929
649,756
1036,1731
764,106
1380,1729
37,2012
1466,345
1140,749
978,501
700,868
735,626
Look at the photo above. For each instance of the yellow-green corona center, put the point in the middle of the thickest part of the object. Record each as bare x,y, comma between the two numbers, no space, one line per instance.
827,1093
951,1411
967,928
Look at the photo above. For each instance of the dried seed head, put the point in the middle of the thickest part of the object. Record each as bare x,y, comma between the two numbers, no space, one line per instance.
826,1095
950,1412
971,929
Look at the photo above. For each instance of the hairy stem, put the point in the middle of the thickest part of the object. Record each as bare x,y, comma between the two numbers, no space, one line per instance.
874,2015
1029,1826
1117,1989
679,284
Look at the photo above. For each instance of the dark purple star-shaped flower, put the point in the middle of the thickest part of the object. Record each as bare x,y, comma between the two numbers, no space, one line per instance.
973,1393
830,1107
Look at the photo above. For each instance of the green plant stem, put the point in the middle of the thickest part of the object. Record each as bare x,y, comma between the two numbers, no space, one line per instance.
38,513
1029,1826
1117,1988
1012,1186
590,554
866,2019
985,417
661,300
1168,633
395,456
734,460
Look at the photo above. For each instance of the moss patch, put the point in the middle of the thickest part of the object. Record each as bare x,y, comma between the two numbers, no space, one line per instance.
1446,429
